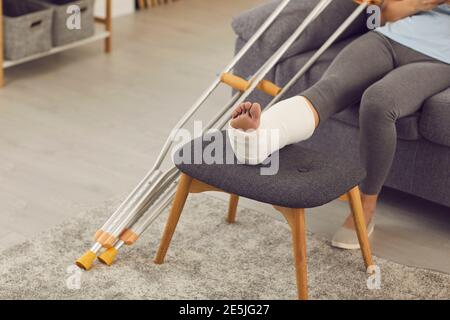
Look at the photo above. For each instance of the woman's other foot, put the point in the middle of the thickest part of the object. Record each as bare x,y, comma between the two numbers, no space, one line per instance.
369,204
346,237
247,116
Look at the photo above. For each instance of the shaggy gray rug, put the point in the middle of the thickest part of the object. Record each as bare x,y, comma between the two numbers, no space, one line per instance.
208,259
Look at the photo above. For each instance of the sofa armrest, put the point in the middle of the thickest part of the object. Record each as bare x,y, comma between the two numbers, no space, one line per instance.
246,24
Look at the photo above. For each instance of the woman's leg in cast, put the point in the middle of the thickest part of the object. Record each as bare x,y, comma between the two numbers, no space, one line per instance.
359,65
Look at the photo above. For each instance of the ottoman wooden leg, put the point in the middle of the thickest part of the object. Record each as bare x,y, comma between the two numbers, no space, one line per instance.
354,198
232,207
174,215
296,220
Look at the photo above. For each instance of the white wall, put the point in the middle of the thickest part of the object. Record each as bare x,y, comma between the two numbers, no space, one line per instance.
119,7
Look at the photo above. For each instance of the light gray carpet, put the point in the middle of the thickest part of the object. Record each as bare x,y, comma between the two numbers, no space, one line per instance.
208,259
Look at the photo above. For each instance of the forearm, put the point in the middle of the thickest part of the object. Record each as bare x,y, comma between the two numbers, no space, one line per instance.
394,10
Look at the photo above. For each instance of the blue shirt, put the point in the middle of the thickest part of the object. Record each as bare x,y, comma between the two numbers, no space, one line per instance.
426,32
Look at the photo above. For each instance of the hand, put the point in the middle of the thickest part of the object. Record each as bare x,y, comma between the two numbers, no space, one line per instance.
426,5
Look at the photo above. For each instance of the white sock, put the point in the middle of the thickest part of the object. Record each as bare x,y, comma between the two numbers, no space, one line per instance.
286,122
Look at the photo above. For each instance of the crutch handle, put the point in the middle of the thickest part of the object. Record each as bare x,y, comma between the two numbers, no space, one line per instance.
375,2
235,82
242,85
269,87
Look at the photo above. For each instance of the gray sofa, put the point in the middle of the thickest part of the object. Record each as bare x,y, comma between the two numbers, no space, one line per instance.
422,162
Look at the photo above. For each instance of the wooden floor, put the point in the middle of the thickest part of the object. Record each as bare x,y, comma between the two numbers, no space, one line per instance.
82,127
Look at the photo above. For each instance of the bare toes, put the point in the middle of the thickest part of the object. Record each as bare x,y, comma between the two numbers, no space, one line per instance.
238,110
247,106
255,110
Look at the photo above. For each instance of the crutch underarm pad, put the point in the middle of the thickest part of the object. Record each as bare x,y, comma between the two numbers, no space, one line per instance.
242,85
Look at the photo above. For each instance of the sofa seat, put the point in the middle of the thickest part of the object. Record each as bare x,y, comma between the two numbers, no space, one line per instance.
434,121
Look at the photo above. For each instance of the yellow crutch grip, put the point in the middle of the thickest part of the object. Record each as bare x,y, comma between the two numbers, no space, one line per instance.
235,82
241,84
269,87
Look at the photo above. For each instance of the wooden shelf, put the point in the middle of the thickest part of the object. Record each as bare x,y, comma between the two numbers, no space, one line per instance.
99,35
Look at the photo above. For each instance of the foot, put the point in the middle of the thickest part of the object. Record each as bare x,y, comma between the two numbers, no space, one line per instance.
369,204
246,116
350,224
346,237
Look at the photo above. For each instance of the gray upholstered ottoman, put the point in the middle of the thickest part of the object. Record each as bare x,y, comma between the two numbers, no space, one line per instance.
305,179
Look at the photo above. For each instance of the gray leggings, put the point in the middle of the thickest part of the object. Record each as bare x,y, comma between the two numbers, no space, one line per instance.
393,80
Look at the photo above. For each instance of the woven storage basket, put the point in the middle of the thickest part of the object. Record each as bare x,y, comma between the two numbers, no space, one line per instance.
61,33
27,29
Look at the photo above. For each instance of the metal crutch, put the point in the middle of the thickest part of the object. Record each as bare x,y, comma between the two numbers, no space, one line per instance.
103,236
320,7
141,225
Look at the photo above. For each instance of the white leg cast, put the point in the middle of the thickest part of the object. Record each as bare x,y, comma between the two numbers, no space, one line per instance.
287,122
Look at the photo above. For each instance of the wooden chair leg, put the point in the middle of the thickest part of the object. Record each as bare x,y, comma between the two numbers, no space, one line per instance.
174,215
108,26
2,81
296,220
354,198
232,208
141,4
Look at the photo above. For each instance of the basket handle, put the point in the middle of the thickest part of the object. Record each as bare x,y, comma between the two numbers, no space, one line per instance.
35,24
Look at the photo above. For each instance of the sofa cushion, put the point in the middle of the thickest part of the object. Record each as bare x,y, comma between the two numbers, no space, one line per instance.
288,68
407,127
246,24
435,119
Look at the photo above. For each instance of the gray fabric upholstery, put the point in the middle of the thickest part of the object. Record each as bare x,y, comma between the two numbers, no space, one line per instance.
407,127
248,22
305,178
248,65
435,119
421,165
286,69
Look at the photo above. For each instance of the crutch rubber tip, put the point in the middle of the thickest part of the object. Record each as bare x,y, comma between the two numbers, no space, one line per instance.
108,256
86,260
